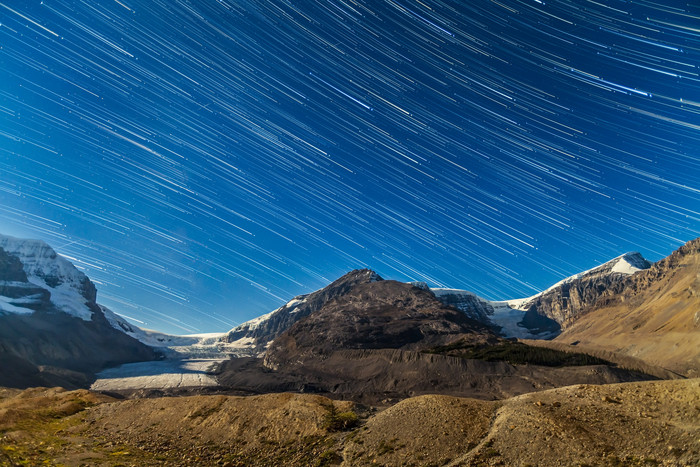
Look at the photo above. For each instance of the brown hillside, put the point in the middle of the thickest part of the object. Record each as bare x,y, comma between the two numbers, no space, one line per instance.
634,424
375,315
654,316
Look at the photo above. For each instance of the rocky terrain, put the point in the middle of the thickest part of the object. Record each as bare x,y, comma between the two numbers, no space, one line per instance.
653,315
634,424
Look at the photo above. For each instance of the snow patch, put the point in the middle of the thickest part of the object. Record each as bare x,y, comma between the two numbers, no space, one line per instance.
68,300
294,303
628,264
255,322
9,305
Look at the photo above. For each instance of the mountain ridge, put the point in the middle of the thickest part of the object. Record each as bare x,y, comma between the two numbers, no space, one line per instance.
258,332
653,315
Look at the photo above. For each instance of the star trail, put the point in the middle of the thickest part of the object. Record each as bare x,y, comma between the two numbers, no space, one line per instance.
204,161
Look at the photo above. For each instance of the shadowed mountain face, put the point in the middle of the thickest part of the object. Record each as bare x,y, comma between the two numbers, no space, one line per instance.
52,332
375,315
653,315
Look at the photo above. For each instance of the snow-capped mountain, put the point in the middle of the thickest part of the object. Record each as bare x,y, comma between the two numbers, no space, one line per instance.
34,278
40,279
623,265
52,331
525,318
542,315
563,301
69,289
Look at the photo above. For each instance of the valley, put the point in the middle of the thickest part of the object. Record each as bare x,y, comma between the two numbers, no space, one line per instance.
365,371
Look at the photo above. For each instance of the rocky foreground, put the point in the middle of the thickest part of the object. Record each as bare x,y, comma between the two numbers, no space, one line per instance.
638,423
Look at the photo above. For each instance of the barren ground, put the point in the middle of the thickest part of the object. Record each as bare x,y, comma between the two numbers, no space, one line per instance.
639,423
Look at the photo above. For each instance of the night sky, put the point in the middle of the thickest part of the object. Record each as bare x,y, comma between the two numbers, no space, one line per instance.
204,161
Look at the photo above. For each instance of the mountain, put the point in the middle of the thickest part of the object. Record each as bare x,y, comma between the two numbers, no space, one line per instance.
378,340
360,323
538,317
627,309
36,278
257,333
653,314
564,301
52,331
375,315
358,317
542,316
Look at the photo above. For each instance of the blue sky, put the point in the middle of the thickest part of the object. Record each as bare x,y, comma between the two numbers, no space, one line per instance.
203,162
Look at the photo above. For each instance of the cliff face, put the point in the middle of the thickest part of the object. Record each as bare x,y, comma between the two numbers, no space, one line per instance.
472,305
566,301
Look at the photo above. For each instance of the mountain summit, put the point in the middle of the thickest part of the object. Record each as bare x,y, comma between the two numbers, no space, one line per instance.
375,315
565,300
30,269
257,333
368,340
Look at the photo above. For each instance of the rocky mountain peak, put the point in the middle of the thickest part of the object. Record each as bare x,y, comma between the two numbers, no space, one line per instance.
688,250
375,315
629,263
568,298
52,332
258,332
356,276
652,314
